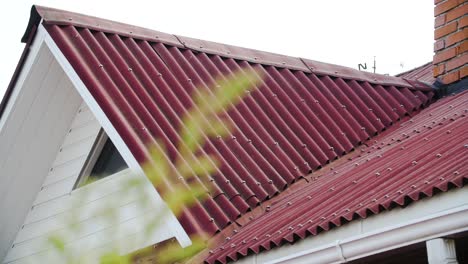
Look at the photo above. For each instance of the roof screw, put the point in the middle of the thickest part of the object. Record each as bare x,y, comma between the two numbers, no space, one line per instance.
456,172
211,220
465,146
279,232
400,192
222,248
283,63
276,143
211,251
370,109
414,162
233,137
258,183
218,136
249,141
413,186
360,204
270,181
235,231
441,178
347,210
156,36
268,235
411,121
228,52
70,18
439,155
290,228
228,238
251,218
296,168
334,214
289,203
227,181
449,131
402,105
335,172
233,245
244,242
274,95
316,101
356,164
302,100
255,58
331,189
379,156
268,208
255,238
304,145
393,109
309,197
363,128
402,148
377,174
310,221
189,80
243,182
374,200
343,106
159,74
389,169
100,65
201,47
386,196
426,139
378,119
211,180
322,218
332,148
300,225
354,182
130,69
181,178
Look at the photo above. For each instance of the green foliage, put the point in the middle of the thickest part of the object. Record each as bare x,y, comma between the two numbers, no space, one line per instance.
205,119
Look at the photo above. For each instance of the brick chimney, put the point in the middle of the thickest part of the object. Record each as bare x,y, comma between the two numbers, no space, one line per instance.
451,45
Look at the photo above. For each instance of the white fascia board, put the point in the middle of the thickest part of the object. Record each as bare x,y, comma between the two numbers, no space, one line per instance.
442,215
26,68
173,224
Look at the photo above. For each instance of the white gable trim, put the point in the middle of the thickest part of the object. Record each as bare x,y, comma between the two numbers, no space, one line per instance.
439,216
174,225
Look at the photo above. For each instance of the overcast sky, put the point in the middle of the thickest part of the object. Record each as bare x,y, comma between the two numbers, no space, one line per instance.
345,32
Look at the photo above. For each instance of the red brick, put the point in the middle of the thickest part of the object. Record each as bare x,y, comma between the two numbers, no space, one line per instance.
445,6
445,30
463,47
440,20
464,72
444,55
439,44
456,62
457,12
463,22
451,77
438,70
456,37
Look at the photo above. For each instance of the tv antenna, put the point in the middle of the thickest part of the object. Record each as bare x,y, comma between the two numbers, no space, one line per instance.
363,66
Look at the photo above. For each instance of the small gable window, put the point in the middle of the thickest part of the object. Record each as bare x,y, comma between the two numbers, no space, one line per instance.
104,160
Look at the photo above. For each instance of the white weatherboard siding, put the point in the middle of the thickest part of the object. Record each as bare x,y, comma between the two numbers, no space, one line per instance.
32,128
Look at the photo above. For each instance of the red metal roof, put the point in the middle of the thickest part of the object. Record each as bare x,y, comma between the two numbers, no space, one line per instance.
422,73
422,156
304,115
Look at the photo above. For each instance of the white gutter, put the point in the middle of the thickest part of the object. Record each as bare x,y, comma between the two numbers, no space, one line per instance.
437,225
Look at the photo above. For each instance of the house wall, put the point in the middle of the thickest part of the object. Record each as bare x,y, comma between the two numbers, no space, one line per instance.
57,205
31,131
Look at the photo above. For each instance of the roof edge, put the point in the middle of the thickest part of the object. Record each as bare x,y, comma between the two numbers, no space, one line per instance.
61,17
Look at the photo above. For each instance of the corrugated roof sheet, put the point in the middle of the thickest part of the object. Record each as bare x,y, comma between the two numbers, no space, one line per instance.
422,73
302,116
422,156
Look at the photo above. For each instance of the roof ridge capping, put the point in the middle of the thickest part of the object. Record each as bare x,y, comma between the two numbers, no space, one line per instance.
61,17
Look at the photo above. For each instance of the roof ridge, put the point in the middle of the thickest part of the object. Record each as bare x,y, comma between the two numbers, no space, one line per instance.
61,17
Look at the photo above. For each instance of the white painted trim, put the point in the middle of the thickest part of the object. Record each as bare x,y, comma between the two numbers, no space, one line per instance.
180,234
441,251
432,217
29,62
